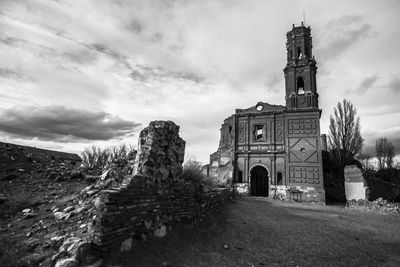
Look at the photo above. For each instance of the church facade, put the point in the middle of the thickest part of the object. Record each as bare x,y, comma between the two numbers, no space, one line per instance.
274,150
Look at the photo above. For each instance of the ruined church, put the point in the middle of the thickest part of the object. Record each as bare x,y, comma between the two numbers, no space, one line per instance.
274,150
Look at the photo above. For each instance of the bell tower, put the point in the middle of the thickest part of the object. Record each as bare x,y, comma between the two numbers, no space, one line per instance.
300,70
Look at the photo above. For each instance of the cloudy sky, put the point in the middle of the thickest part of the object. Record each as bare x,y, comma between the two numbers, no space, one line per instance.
74,73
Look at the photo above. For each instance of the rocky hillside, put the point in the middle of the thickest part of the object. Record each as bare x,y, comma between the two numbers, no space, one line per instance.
45,207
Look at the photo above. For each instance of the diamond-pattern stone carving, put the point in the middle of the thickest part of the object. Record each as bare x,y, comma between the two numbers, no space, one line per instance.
303,150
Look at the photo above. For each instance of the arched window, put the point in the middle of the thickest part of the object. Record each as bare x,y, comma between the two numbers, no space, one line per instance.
279,179
299,54
300,86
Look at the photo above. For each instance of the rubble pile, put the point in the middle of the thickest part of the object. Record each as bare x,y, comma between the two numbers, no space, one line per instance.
379,206
38,232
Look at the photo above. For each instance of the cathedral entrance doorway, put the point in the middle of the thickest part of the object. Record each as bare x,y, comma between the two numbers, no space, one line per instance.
259,181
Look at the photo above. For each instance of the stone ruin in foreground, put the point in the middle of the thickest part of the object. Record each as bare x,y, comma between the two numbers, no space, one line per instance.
154,197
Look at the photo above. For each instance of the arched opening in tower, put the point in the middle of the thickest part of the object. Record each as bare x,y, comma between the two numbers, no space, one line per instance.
299,54
300,86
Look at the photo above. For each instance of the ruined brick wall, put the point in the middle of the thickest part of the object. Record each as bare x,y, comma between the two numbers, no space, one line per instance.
153,197
141,209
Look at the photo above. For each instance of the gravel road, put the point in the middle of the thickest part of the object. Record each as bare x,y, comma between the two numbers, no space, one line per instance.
264,232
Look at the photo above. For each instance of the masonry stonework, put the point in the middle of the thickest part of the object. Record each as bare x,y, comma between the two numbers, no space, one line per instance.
154,197
273,150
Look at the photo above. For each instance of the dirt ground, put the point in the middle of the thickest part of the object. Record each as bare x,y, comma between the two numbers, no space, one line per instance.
263,232
26,240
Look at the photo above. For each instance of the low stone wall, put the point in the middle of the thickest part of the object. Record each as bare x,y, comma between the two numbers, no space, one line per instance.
143,208
378,206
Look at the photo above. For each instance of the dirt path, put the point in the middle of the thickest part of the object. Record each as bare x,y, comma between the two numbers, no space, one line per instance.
262,232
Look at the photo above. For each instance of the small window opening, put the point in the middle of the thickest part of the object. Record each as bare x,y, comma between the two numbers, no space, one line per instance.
290,54
240,176
299,54
258,132
279,179
300,86
230,129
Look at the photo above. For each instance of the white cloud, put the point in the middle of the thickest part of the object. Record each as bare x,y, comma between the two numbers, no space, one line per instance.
194,62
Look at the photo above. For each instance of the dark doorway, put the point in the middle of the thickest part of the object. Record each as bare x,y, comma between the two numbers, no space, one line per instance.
259,181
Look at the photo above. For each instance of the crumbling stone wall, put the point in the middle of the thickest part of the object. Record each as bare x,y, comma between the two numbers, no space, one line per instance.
154,196
160,152
221,162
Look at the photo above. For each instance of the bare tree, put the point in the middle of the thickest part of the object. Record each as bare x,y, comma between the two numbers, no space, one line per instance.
384,152
365,160
344,134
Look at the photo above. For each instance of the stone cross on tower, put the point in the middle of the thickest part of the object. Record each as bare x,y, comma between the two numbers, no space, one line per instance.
300,70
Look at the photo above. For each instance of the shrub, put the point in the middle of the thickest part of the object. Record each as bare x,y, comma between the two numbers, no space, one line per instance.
193,171
97,159
94,157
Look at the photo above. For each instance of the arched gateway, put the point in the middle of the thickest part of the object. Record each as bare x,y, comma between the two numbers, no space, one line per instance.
259,181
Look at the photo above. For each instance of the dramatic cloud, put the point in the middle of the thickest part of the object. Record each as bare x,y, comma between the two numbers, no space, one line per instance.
6,73
342,33
394,85
193,62
366,84
62,124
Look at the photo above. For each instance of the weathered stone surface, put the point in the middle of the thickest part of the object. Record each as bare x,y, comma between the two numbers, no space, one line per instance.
97,263
71,245
126,245
60,215
160,151
67,263
160,232
154,197
68,209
